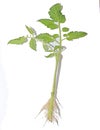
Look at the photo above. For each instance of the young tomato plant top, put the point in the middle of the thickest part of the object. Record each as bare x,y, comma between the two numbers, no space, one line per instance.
52,43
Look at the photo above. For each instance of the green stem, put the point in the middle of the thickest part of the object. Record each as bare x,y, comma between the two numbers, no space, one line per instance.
63,39
55,80
53,93
54,90
60,40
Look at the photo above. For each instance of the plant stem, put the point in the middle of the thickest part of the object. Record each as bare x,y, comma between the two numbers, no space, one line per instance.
60,40
53,98
52,101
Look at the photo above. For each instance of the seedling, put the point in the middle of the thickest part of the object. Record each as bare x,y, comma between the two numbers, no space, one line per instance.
53,44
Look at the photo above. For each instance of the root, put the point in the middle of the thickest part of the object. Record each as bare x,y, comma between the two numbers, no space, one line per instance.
51,113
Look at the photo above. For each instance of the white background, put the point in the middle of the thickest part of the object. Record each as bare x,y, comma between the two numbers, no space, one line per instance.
26,76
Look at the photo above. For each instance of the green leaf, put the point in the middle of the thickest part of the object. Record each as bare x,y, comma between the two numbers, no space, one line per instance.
32,44
65,29
49,23
46,47
65,35
55,36
50,55
75,35
58,48
30,29
18,41
45,37
56,14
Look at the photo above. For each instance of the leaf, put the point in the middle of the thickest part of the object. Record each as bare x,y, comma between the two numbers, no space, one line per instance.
56,14
49,23
65,35
45,47
18,41
50,55
75,35
45,37
48,47
32,44
30,29
65,29
58,48
55,36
